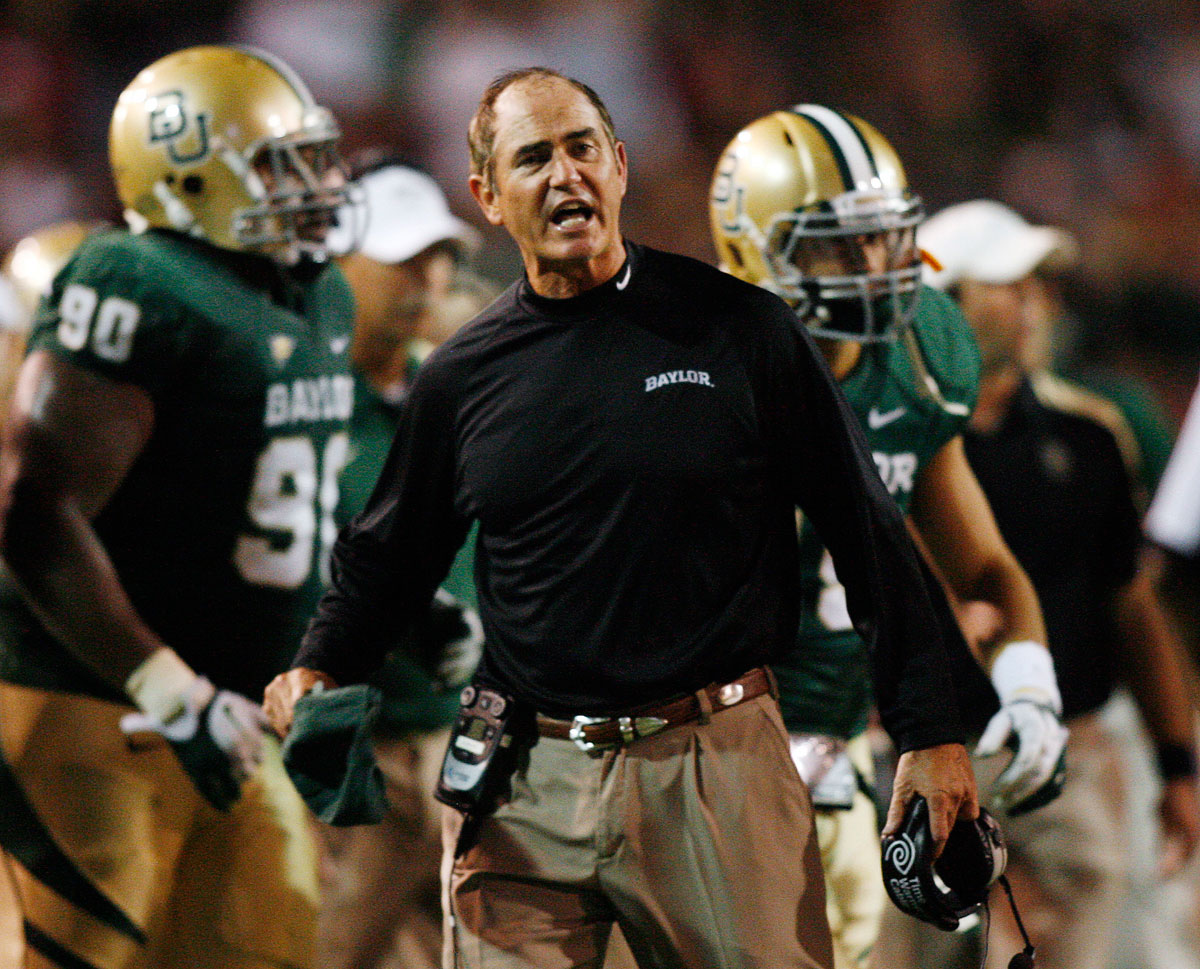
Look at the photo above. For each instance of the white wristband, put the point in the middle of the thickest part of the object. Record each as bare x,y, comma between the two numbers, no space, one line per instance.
1023,670
161,684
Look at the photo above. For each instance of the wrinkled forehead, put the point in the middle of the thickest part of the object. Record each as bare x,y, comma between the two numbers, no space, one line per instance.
541,109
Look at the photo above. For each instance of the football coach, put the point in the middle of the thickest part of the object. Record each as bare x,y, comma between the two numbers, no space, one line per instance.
633,431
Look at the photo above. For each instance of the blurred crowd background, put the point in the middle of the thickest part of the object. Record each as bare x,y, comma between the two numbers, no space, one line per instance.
1081,113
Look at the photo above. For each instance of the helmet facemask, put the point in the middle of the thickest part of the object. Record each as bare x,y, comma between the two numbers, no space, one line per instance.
850,267
297,202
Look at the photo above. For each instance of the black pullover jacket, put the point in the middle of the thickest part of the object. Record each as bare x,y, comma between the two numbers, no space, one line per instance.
634,457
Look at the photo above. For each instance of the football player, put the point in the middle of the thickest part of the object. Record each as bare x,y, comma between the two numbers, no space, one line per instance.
169,480
29,268
813,204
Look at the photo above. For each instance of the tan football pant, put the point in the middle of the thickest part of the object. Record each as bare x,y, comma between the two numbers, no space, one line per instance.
210,890
850,855
698,841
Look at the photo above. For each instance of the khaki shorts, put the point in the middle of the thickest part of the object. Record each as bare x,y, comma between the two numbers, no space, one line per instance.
126,866
698,841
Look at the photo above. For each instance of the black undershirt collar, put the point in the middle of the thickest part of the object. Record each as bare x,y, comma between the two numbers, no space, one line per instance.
587,305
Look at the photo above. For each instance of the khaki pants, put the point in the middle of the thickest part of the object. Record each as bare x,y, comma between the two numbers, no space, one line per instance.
140,853
699,842
1067,862
380,904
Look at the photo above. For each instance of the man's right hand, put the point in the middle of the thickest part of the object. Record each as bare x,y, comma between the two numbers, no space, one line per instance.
942,775
281,695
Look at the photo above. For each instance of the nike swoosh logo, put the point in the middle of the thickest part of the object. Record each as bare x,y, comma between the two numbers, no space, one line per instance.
339,343
876,420
623,282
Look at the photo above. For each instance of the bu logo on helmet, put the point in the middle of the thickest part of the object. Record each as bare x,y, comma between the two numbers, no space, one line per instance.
169,122
727,195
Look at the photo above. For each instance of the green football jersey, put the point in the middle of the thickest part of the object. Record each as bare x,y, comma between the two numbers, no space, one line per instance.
411,697
825,680
220,531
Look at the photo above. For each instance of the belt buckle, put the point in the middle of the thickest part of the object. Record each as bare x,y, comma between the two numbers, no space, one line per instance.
631,728
576,732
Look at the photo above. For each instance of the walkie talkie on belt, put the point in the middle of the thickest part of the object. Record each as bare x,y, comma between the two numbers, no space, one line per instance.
480,758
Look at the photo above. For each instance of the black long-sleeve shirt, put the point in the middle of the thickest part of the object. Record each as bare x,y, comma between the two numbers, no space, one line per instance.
634,456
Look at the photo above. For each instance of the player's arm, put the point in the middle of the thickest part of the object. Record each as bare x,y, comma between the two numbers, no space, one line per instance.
955,522
72,437
956,525
1152,664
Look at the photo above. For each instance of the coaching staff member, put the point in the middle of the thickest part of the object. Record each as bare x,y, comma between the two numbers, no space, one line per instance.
633,431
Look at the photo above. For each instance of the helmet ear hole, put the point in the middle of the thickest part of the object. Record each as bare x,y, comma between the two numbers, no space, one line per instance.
193,184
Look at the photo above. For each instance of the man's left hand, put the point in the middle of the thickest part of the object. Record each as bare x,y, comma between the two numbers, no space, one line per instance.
942,775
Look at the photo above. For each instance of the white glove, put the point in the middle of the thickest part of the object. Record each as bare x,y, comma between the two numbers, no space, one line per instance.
1028,719
216,734
462,648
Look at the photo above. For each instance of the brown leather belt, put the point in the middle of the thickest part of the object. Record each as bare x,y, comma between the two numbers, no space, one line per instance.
603,733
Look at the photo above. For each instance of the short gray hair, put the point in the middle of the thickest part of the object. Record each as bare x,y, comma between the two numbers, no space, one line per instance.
481,133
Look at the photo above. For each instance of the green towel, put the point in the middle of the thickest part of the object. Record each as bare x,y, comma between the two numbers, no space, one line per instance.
330,758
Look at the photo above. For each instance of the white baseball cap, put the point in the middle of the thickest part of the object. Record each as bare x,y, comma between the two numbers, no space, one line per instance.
405,212
988,242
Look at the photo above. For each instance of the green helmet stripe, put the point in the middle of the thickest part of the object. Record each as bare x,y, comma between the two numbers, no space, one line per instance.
861,140
854,160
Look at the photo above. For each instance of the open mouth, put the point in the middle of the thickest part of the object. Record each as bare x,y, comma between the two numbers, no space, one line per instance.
571,215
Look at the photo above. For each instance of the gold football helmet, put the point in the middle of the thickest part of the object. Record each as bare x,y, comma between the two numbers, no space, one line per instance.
27,270
32,263
227,144
813,205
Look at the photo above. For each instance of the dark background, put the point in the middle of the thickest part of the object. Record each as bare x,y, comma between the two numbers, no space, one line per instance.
1079,113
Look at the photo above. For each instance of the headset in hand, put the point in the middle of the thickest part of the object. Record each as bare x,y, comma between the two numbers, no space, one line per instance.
944,891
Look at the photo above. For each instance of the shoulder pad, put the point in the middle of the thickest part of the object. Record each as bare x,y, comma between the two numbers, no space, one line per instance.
947,347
